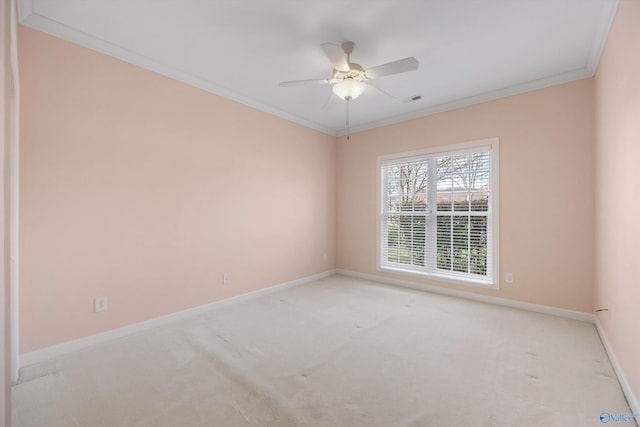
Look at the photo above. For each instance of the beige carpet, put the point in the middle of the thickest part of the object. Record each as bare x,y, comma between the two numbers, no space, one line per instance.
337,352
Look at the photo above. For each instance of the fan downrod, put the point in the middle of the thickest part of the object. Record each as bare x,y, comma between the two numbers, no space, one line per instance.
347,47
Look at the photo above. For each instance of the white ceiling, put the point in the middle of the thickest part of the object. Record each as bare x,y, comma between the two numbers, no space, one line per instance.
470,51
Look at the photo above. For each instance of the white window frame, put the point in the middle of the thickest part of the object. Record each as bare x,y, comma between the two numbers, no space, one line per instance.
493,277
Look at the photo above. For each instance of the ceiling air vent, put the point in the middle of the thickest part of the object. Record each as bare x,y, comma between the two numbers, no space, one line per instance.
412,98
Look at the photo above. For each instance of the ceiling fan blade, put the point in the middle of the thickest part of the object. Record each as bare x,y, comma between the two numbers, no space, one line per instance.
336,56
395,67
306,82
375,92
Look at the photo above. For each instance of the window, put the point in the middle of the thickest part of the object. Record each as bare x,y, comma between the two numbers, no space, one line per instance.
438,213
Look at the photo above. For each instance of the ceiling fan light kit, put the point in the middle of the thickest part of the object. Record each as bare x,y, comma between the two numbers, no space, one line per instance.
349,89
349,79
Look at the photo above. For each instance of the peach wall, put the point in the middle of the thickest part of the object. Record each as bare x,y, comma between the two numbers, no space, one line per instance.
546,189
146,190
617,93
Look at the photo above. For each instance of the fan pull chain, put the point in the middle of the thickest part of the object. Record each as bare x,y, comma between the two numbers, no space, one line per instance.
348,98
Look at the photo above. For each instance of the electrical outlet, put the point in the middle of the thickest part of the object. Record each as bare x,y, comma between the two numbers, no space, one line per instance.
226,278
508,277
100,304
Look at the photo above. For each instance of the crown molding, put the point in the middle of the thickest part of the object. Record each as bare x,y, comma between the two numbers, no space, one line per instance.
38,22
557,79
609,10
25,9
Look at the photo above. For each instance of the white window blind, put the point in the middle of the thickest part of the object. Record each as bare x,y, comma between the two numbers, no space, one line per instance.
437,213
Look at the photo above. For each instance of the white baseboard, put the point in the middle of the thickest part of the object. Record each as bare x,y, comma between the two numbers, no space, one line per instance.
57,350
570,314
622,378
561,312
61,349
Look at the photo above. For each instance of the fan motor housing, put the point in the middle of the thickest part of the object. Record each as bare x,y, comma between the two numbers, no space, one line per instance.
356,72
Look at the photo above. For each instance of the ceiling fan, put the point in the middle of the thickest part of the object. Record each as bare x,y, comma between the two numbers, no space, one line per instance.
349,79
